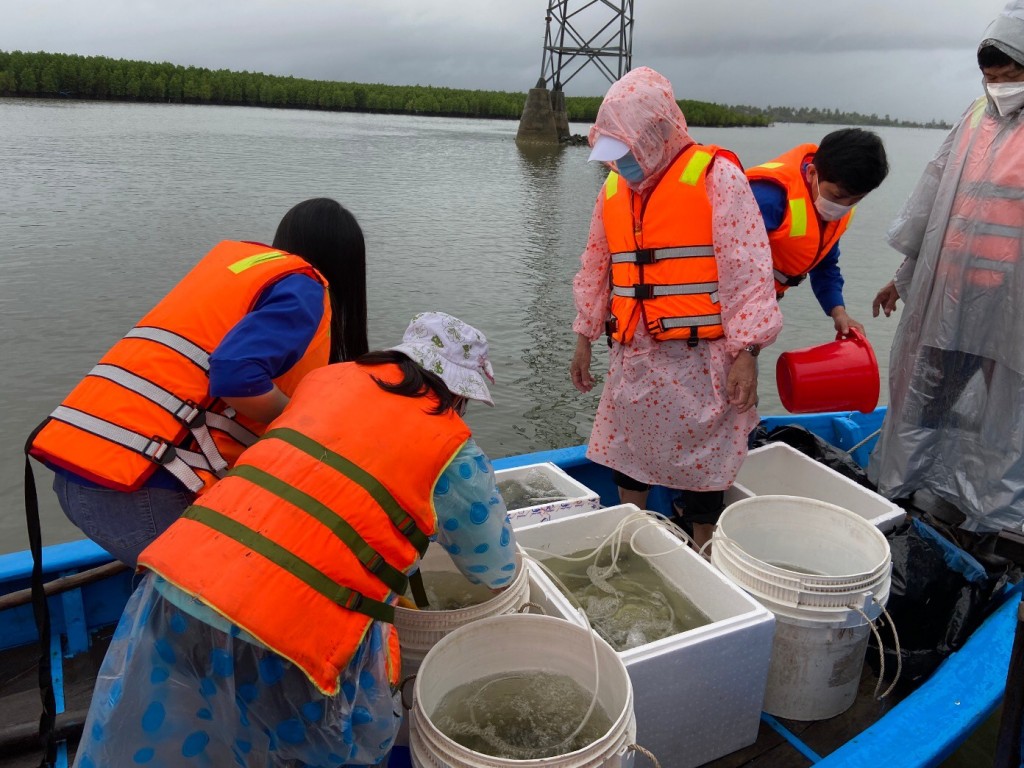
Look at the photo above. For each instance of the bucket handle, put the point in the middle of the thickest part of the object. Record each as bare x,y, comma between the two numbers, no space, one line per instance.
645,752
401,691
881,652
852,333
528,605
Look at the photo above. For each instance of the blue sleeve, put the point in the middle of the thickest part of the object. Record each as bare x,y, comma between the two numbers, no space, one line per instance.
771,199
472,521
269,340
827,281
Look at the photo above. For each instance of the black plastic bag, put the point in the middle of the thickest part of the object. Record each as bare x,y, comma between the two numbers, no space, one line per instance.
810,444
939,595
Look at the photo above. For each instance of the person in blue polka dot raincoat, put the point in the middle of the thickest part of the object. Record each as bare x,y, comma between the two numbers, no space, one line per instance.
260,633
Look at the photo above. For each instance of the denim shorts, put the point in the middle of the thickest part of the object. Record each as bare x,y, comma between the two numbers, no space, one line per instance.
123,523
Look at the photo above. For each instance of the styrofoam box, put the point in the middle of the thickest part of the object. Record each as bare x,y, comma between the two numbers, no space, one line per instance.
579,498
778,468
698,694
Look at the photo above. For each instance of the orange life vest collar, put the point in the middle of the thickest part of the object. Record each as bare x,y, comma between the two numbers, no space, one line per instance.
322,519
663,262
148,397
803,239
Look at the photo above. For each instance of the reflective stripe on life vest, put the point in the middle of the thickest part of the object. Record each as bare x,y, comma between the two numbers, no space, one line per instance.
663,263
803,239
154,382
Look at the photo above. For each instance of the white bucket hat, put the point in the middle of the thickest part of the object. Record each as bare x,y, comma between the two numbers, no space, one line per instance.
454,350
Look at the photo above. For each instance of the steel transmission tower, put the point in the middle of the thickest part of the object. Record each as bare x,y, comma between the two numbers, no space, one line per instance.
577,33
607,42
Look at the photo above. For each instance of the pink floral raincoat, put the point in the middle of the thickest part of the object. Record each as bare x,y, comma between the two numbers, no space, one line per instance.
664,417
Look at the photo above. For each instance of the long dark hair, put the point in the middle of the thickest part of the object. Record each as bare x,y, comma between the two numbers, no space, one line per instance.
416,381
326,235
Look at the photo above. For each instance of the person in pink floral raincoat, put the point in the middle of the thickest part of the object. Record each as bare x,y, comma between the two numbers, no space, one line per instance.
687,300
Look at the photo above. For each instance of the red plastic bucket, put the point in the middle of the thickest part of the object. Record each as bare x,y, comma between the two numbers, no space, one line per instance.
841,375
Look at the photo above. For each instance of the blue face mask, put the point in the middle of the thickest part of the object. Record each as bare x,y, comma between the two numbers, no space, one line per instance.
629,168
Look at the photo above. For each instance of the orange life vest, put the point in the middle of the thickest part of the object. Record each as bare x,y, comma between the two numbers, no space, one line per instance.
309,538
803,238
662,252
988,204
139,407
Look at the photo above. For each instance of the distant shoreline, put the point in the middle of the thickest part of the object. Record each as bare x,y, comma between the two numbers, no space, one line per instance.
99,78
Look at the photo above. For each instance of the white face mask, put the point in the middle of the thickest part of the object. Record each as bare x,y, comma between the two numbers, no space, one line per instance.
1007,97
828,209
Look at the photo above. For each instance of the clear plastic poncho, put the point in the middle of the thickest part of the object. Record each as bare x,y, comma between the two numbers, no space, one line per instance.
955,423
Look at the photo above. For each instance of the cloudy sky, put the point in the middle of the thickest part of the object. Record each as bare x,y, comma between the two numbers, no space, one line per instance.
911,59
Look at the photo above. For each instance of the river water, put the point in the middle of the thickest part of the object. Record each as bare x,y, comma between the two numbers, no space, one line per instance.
103,207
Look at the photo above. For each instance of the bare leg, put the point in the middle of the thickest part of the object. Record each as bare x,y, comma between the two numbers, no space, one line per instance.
702,533
627,496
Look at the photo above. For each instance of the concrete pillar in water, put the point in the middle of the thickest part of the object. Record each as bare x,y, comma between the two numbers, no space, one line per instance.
537,125
561,117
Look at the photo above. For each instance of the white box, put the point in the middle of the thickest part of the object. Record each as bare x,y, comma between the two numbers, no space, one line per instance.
778,468
698,694
579,498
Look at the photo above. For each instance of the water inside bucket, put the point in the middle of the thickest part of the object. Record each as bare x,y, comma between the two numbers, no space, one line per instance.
628,605
533,488
520,716
450,591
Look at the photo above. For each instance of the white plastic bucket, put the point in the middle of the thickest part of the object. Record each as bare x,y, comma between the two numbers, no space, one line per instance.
419,631
522,643
821,615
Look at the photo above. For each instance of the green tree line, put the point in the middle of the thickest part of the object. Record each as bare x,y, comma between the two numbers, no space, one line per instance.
830,116
59,75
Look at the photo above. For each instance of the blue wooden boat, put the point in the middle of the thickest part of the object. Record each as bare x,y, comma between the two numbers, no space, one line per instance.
923,729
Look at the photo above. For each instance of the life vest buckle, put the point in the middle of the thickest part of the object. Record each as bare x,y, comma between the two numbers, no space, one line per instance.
643,291
190,414
645,256
159,451
353,601
795,280
375,564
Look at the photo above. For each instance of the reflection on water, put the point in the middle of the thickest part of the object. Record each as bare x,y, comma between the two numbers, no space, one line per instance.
104,206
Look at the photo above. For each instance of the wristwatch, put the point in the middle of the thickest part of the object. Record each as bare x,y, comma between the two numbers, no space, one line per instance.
753,349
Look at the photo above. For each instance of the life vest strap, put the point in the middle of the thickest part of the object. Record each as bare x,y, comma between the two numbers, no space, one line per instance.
694,321
650,290
178,343
789,280
985,228
403,521
179,462
195,418
651,255
395,579
318,580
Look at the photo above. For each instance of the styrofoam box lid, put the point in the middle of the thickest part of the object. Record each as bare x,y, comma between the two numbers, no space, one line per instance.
564,484
780,469
727,605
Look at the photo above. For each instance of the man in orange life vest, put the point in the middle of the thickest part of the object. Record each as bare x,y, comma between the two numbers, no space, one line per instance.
806,197
955,424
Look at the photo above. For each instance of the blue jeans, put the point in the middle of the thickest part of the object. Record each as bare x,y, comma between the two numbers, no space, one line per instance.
122,523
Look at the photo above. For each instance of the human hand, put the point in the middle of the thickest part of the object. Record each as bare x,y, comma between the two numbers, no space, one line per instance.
579,369
844,323
885,299
741,385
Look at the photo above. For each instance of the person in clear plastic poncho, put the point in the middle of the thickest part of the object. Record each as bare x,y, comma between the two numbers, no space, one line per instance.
955,424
